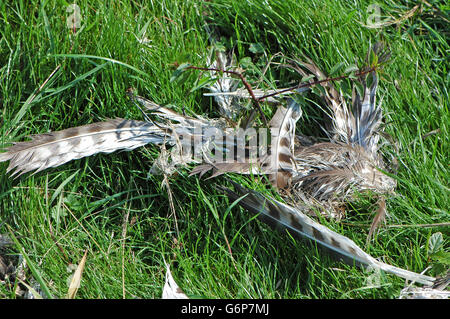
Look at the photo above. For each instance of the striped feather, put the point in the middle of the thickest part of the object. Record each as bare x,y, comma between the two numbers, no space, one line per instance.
228,104
297,223
367,118
358,124
56,148
280,165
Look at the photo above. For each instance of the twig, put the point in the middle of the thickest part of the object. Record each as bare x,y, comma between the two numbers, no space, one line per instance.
292,88
309,84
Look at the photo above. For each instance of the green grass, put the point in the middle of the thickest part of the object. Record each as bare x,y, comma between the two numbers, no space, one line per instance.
54,225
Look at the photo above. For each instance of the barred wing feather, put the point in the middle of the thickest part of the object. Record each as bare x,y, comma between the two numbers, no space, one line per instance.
56,148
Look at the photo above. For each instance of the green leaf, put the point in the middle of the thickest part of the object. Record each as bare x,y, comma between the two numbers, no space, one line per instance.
438,270
335,69
256,48
373,58
442,257
307,78
179,71
351,68
246,62
73,202
435,243
352,76
206,81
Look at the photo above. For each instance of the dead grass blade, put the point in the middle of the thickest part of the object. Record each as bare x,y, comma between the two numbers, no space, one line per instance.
124,236
76,279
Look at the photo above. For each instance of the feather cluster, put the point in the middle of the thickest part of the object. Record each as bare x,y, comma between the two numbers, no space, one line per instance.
319,175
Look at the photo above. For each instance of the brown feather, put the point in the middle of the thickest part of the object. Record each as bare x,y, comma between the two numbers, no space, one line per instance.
298,224
56,148
378,219
280,165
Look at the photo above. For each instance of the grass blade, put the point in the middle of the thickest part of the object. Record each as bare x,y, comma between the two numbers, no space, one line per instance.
34,270
61,186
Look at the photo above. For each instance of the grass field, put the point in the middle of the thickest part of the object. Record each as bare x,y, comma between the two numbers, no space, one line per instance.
111,206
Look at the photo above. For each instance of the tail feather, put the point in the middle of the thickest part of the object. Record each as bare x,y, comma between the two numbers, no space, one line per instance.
368,117
56,148
300,224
